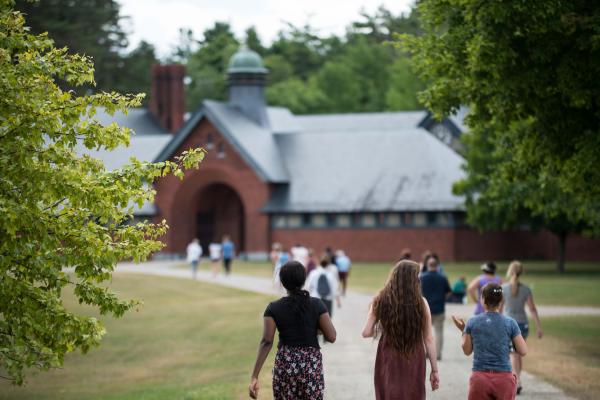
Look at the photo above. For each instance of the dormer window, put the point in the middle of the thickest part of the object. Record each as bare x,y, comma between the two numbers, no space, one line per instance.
209,141
221,150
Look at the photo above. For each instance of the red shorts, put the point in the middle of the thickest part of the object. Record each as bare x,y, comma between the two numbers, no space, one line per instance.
492,385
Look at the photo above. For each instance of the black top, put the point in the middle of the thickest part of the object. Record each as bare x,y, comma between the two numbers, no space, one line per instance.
435,287
293,329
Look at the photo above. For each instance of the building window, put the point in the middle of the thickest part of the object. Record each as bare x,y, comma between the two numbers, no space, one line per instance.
209,141
294,221
318,221
279,221
442,133
443,219
330,219
393,220
221,150
432,219
419,219
368,220
343,220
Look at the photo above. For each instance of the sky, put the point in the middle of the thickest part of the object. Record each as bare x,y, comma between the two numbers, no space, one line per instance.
158,21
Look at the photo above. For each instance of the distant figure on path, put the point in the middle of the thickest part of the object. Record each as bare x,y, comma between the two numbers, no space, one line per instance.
298,368
300,253
329,252
459,291
489,337
228,251
312,262
343,263
214,252
400,317
322,284
333,270
436,290
278,257
477,284
516,295
405,254
194,252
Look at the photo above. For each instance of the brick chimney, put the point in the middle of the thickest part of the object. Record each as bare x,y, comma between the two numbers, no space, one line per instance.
167,102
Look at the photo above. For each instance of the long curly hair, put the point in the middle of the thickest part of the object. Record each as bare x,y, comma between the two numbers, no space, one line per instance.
399,309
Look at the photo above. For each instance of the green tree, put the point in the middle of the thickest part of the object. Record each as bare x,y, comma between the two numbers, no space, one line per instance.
403,86
528,72
58,208
299,96
93,28
253,41
135,71
279,69
344,91
208,64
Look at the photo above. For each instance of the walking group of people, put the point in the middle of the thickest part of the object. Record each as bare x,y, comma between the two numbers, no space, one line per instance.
407,317
218,252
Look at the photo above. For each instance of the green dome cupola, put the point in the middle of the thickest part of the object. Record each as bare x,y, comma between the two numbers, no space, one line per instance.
246,61
246,78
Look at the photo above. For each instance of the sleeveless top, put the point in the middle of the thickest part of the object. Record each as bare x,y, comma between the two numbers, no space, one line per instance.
484,280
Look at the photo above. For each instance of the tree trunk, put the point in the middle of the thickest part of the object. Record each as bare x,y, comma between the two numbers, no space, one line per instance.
562,244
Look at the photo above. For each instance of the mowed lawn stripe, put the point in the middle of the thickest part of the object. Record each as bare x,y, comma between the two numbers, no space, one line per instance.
189,340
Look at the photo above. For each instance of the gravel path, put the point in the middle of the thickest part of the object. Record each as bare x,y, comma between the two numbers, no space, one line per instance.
349,362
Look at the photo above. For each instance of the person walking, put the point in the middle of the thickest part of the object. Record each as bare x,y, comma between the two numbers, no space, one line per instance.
489,336
400,317
228,252
459,291
312,263
279,258
516,295
298,367
477,284
193,254
343,263
436,289
214,252
321,284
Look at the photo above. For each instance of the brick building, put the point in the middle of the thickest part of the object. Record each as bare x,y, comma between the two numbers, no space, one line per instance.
369,183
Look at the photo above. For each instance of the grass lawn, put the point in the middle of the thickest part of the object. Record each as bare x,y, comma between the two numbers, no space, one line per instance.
568,355
577,287
188,341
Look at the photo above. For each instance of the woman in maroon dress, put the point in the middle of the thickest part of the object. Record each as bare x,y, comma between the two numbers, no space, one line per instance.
400,317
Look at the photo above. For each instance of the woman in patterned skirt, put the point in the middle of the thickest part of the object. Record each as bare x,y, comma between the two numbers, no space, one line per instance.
400,317
298,370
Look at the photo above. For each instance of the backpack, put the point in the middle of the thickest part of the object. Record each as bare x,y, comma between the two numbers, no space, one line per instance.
323,288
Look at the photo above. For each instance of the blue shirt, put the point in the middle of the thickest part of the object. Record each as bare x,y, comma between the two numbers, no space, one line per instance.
343,263
435,287
227,249
492,335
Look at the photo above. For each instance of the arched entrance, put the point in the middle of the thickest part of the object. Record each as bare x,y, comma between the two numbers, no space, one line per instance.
219,212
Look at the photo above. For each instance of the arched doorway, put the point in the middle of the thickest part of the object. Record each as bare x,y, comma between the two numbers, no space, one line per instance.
219,212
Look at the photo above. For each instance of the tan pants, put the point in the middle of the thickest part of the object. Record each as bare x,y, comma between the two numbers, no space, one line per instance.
437,321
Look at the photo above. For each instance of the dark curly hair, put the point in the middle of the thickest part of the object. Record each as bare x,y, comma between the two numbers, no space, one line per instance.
399,309
292,276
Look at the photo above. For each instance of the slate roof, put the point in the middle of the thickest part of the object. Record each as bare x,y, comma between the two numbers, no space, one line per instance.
323,163
254,143
341,170
140,120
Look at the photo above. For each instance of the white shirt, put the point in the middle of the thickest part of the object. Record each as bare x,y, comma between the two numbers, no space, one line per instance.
300,254
194,252
214,250
312,283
